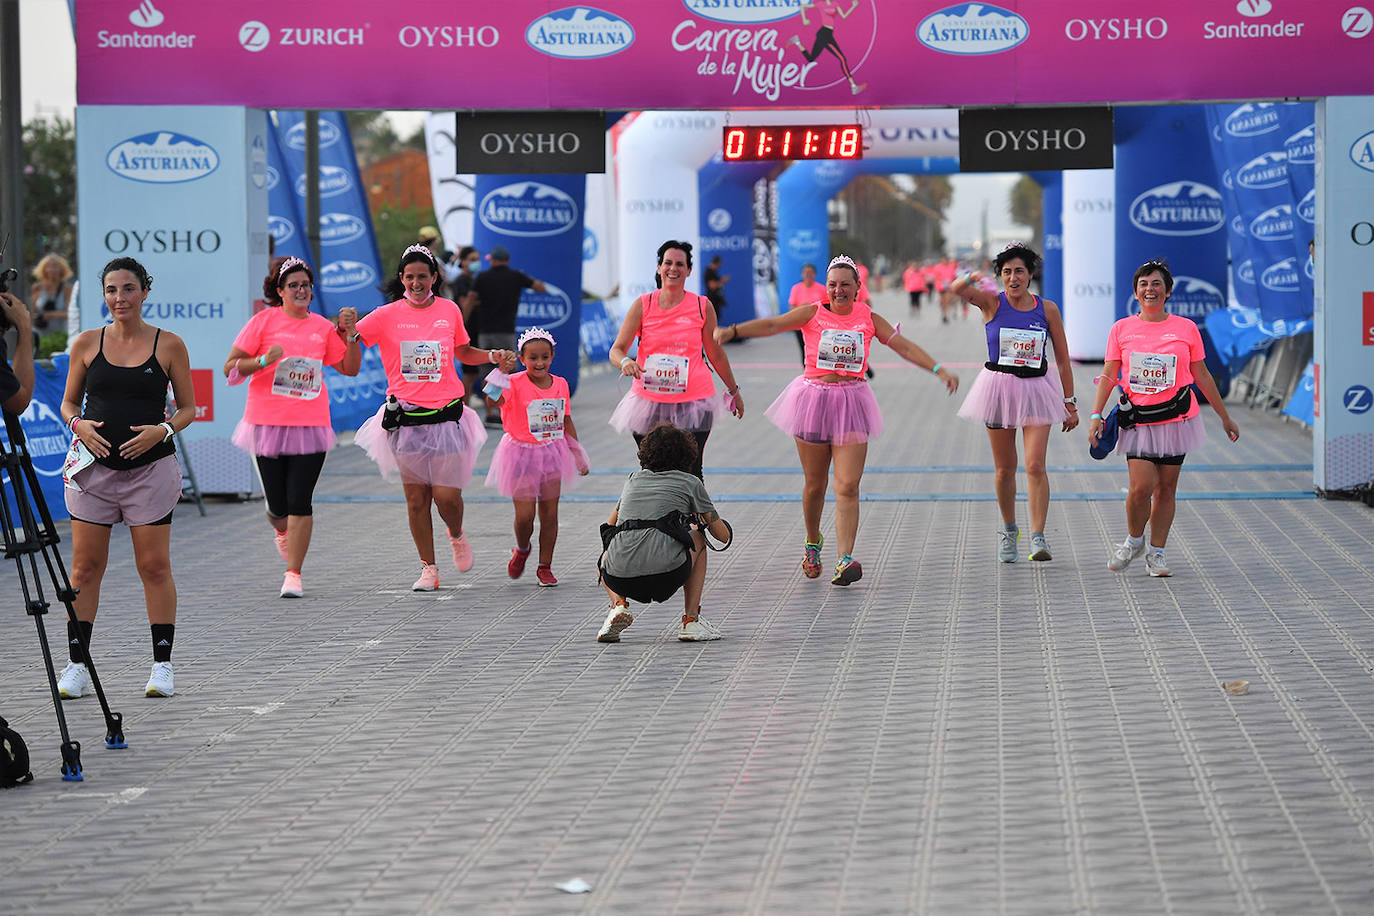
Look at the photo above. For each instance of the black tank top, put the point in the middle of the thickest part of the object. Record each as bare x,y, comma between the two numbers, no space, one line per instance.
127,396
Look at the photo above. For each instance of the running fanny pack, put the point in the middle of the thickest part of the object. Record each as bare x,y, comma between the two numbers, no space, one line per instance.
396,417
1171,409
1020,371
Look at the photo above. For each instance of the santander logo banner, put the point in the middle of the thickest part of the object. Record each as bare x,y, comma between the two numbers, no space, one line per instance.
702,54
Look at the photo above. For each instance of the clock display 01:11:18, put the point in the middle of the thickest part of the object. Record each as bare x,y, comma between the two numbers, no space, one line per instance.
806,141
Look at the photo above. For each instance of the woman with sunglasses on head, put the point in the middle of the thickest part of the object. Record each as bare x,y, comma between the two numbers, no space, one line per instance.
1156,358
1015,389
281,353
423,435
829,409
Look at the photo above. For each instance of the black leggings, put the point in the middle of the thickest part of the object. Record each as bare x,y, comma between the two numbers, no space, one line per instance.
288,482
825,41
701,437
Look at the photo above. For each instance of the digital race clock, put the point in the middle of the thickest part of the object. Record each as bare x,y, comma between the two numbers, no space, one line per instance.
797,141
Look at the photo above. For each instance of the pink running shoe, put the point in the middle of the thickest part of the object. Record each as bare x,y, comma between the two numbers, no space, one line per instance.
545,576
516,567
462,552
291,585
429,579
280,538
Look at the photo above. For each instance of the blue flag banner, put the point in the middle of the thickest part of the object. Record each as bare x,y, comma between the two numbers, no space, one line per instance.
1301,405
597,331
350,274
1252,145
46,437
538,219
283,215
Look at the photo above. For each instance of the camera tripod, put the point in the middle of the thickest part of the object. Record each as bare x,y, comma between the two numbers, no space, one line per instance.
40,538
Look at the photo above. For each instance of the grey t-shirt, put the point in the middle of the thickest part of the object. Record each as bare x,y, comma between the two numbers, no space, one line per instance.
649,495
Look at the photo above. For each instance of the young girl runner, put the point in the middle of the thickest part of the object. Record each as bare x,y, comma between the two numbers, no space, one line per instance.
538,453
422,435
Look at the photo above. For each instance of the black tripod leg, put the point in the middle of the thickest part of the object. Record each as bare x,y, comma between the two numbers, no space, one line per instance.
71,750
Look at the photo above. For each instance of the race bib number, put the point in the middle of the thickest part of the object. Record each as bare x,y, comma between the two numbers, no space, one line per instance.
422,360
545,417
840,351
298,377
665,374
1020,347
1152,373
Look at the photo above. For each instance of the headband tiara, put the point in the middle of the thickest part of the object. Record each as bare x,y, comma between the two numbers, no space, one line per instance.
841,260
420,249
1014,244
290,264
533,334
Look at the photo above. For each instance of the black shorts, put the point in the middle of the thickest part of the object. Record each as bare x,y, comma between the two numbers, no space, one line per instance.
1158,460
647,589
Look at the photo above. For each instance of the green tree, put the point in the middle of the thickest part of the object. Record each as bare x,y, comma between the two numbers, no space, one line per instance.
1028,207
49,191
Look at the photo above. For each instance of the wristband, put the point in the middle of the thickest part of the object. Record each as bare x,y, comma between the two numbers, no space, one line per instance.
71,424
171,430
732,390
1095,416
353,338
734,332
491,356
262,361
626,359
935,370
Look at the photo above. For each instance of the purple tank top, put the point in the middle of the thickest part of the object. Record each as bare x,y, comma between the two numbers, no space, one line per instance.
1014,346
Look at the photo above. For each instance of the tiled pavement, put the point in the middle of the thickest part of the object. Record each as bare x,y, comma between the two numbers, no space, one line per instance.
949,735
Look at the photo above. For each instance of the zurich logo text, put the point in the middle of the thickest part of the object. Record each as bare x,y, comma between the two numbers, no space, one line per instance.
579,32
548,309
719,220
1179,208
162,157
528,208
744,12
972,28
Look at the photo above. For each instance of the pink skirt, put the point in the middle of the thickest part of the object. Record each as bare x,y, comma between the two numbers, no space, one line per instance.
1162,440
437,455
637,414
1000,400
523,470
828,413
275,441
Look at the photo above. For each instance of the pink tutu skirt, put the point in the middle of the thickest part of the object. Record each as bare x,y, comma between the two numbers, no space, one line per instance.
1162,440
522,470
637,414
275,441
828,413
437,455
1000,400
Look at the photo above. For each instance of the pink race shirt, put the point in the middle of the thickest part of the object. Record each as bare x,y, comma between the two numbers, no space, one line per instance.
838,344
913,280
533,414
802,294
290,391
670,342
417,349
1156,357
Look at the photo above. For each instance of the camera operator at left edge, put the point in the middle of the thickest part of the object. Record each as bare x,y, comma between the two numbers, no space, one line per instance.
16,377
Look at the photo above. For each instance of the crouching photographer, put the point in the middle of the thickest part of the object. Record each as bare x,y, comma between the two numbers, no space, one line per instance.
16,378
656,539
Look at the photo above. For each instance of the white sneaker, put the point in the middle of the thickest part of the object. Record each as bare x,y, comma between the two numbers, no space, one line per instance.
429,578
74,682
698,630
1123,554
1156,566
160,681
291,586
617,619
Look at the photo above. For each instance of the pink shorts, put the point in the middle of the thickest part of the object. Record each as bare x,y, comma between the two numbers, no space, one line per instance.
139,496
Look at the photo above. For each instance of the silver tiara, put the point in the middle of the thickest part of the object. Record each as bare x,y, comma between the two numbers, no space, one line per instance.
290,264
421,249
533,334
1010,245
841,260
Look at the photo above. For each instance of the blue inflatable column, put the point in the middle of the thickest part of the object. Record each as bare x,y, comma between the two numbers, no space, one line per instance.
726,208
1052,232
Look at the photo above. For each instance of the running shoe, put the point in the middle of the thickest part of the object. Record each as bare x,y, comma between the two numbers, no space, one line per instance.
280,539
429,578
1040,548
698,630
1006,552
462,552
160,682
291,585
1123,554
847,571
1156,566
545,576
516,567
74,682
617,619
811,558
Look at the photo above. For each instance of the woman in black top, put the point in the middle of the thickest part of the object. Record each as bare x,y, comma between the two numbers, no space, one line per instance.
121,371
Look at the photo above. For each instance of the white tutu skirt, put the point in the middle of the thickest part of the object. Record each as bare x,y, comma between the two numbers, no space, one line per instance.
827,413
525,470
637,414
1000,400
1162,440
437,455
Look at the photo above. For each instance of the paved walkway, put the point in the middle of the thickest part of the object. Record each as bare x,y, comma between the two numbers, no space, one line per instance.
949,735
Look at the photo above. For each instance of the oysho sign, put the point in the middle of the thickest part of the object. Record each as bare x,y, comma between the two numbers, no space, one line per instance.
531,143
163,157
1035,139
528,208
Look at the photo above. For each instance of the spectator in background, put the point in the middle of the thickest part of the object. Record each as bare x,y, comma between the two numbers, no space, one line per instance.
915,283
461,271
51,295
715,285
498,290
433,239
16,378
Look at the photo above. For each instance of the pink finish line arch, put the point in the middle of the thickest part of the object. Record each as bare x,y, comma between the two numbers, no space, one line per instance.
715,54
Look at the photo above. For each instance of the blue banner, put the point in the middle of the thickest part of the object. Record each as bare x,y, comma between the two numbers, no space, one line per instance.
1301,405
538,218
597,331
46,437
726,208
1252,145
283,215
350,274
1052,220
